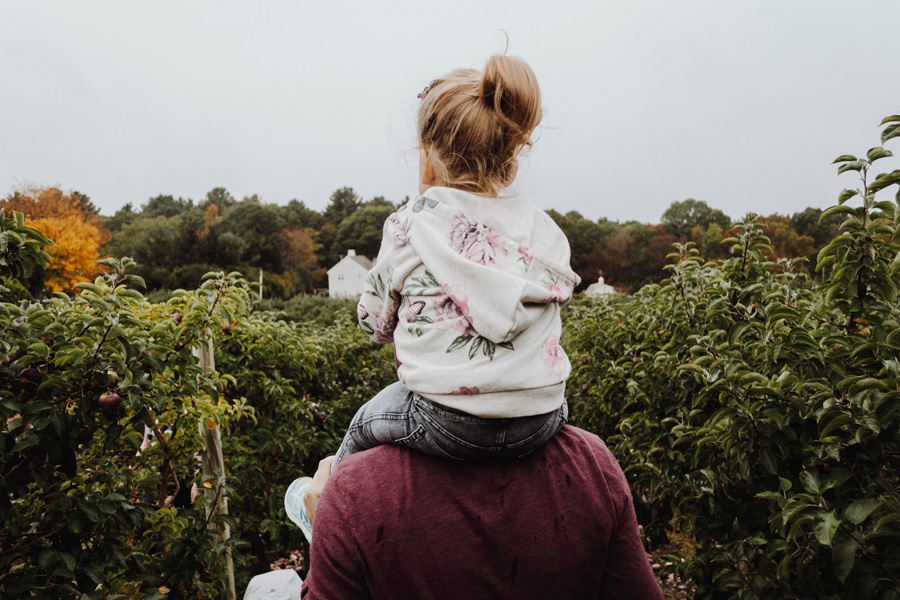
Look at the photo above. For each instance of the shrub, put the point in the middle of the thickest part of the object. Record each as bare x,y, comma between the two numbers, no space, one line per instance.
307,308
761,411
102,398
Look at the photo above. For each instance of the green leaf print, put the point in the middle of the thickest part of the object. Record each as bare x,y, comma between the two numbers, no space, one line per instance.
376,286
460,342
476,345
479,343
421,285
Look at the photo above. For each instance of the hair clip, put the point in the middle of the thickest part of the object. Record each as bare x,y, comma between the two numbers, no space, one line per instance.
423,92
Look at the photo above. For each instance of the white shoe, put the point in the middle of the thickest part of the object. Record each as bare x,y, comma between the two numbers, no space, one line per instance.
296,508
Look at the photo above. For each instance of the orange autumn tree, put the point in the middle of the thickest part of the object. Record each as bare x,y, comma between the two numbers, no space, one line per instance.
72,222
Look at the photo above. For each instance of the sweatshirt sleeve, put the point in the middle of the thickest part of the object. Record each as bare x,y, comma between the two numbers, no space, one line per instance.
379,304
627,573
336,566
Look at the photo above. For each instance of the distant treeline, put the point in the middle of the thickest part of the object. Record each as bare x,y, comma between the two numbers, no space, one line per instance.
176,240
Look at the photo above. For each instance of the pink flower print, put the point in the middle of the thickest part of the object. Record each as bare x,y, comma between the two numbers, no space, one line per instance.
526,252
465,391
553,356
555,294
478,243
361,312
385,323
399,236
451,310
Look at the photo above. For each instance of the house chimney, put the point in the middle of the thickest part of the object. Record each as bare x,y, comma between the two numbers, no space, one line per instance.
351,252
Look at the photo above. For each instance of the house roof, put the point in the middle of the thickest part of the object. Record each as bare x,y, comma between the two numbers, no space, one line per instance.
362,261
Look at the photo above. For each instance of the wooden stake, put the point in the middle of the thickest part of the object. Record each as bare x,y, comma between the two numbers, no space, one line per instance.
214,466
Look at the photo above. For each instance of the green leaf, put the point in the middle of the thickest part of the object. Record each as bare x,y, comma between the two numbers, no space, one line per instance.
843,554
459,342
47,558
826,524
810,481
856,165
89,510
765,459
736,331
769,496
846,195
26,442
890,119
884,180
838,209
891,131
844,157
95,573
84,285
858,511
76,522
476,346
137,280
878,152
827,425
60,422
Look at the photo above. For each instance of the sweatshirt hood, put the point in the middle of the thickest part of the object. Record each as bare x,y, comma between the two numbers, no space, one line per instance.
499,264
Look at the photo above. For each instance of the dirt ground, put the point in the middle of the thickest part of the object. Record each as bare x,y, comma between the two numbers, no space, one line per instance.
673,588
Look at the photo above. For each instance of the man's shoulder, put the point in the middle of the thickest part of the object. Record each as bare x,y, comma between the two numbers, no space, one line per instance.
582,436
571,444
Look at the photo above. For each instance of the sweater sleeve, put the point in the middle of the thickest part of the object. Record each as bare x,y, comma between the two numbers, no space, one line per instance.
336,566
379,304
627,573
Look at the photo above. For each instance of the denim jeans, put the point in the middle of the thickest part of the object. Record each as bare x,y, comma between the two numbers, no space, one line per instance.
399,416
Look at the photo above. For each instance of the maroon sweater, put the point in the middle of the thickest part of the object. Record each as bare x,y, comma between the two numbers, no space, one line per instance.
558,524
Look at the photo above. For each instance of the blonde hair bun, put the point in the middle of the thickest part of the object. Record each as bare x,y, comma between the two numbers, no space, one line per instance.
474,123
510,88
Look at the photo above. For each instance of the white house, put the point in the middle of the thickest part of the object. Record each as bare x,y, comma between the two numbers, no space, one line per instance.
600,288
347,278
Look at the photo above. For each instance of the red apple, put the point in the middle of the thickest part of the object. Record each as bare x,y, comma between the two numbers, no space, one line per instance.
84,435
31,374
110,403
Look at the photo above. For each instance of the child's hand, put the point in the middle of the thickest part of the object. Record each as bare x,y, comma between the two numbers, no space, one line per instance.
312,495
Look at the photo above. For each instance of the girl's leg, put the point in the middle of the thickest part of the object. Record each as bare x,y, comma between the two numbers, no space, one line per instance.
385,419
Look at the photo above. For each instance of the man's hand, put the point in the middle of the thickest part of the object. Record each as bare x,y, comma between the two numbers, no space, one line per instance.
312,495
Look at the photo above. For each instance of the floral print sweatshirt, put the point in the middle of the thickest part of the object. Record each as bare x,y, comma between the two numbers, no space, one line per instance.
469,289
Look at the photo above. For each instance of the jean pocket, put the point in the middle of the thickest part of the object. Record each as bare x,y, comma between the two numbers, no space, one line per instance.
413,438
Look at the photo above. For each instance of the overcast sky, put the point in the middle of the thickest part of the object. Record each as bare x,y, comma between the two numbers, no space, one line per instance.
742,104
